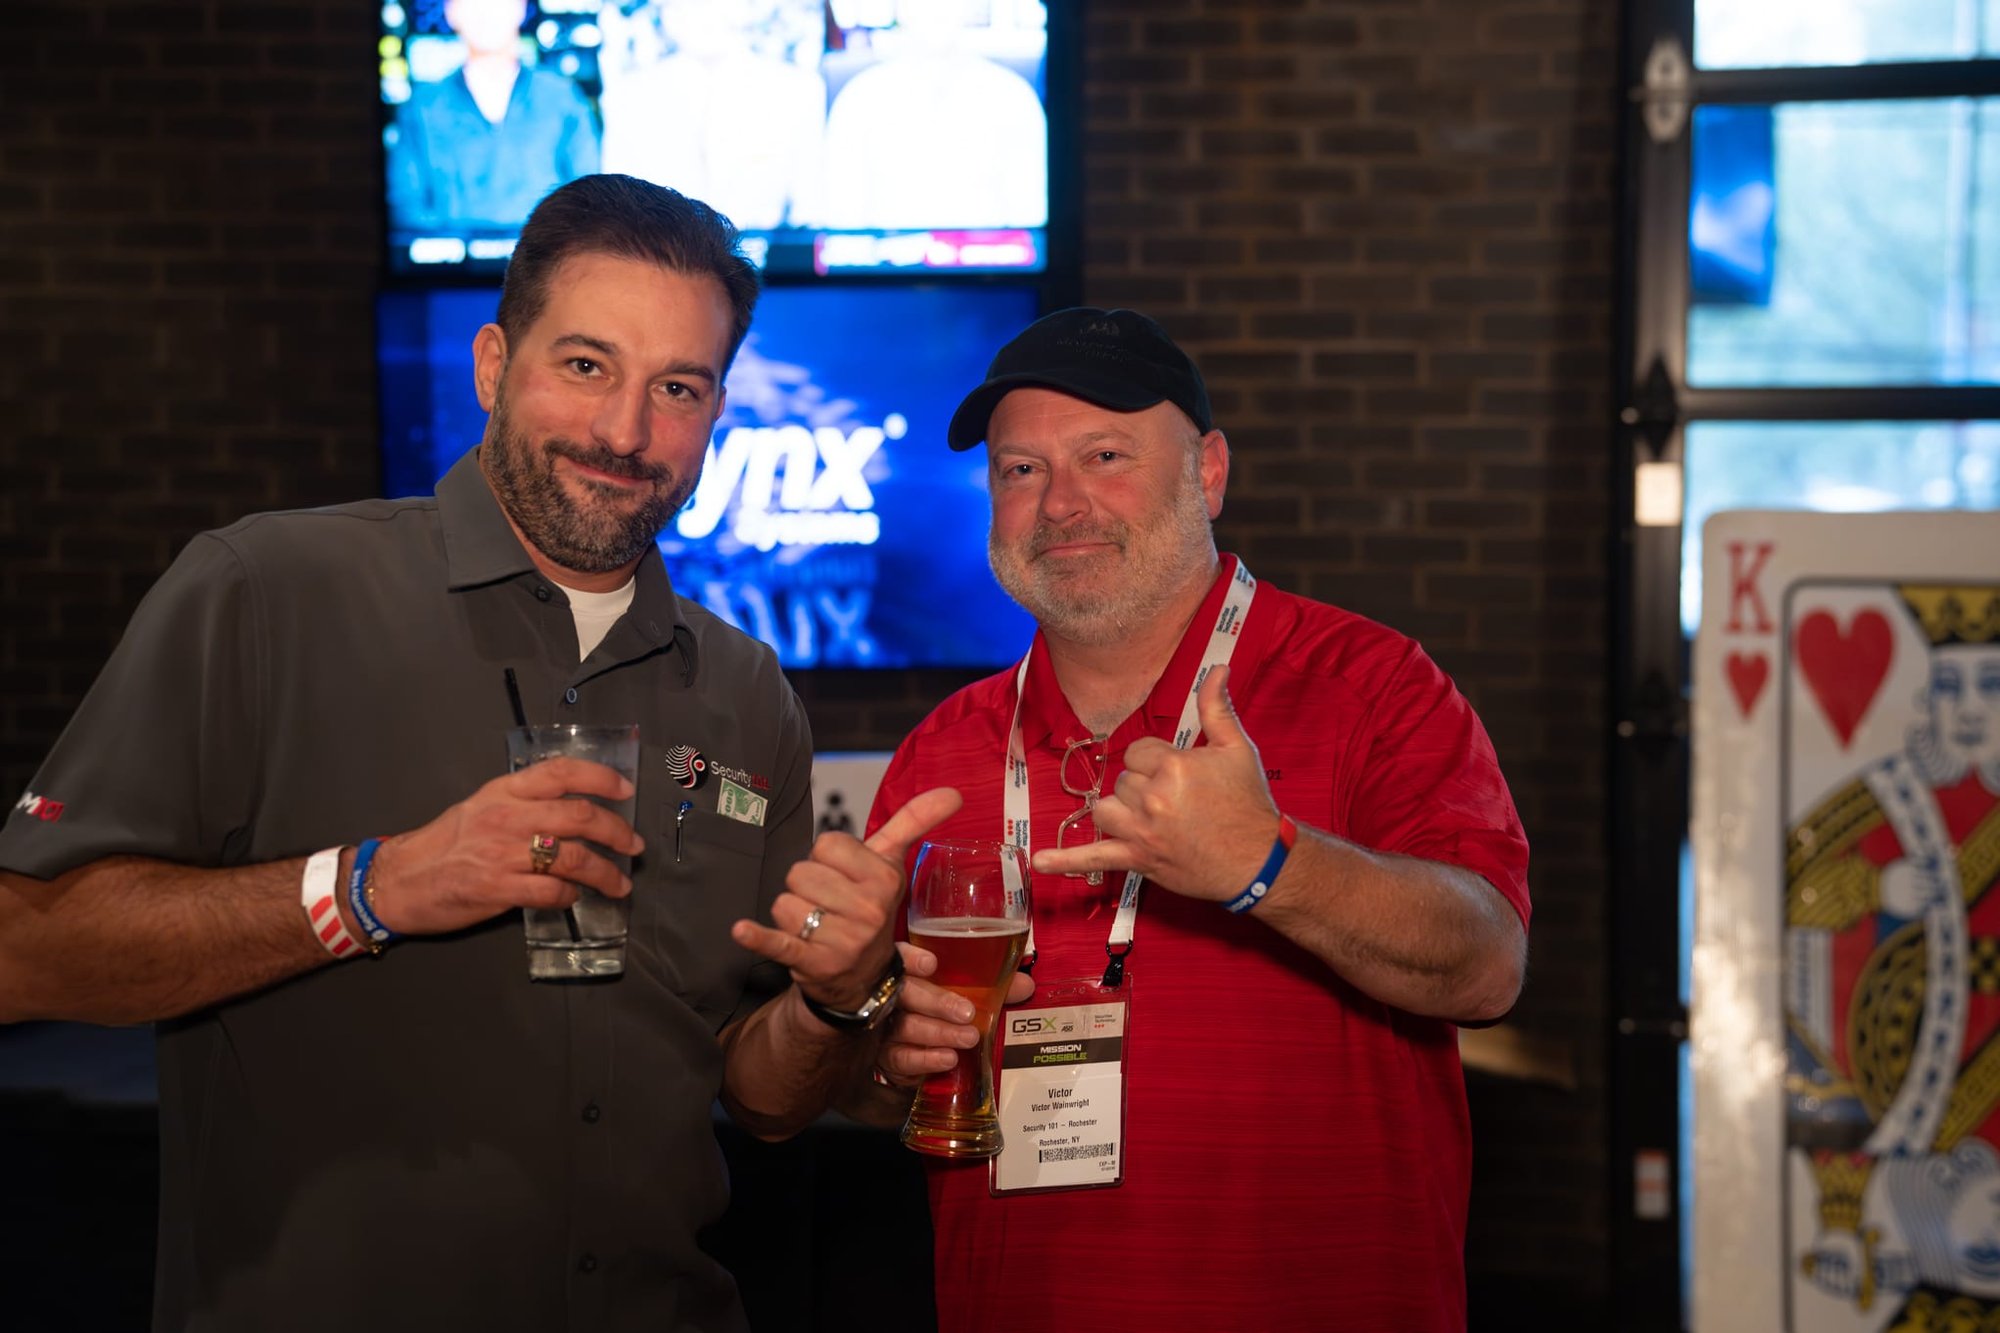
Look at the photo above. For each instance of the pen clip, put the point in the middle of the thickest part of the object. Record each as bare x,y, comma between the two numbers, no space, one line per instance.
680,820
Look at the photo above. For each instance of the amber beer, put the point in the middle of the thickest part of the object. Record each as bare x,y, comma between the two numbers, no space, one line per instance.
954,1114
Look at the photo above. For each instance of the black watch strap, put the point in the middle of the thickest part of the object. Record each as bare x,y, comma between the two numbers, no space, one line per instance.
881,999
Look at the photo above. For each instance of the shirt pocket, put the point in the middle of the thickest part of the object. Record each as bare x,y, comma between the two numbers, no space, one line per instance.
707,874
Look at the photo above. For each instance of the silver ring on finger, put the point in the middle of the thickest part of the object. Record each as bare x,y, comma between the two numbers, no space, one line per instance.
814,919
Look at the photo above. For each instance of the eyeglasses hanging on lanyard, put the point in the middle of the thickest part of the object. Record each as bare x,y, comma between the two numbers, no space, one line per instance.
1222,640
1094,766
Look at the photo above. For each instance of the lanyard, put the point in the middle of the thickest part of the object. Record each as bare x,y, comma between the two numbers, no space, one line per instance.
1014,802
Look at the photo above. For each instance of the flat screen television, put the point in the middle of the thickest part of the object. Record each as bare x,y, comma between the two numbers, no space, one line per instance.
842,136
831,520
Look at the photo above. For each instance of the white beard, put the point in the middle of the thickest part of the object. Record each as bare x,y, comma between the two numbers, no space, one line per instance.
1177,545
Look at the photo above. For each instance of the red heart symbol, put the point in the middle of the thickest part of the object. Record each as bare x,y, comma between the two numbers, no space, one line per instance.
1747,674
1844,670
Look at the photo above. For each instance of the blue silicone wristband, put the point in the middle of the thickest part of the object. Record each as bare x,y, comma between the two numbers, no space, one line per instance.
373,932
1288,833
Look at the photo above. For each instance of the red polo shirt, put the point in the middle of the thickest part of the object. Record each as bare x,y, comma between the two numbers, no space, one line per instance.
1297,1154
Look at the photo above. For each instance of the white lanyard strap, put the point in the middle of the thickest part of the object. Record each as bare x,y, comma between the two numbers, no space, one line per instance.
1015,822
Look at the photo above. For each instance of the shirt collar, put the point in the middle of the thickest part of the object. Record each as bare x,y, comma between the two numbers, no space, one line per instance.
481,548
479,543
1047,718
656,610
1045,714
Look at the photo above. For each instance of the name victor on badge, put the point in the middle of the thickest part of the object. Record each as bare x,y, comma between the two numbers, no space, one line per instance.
1062,1090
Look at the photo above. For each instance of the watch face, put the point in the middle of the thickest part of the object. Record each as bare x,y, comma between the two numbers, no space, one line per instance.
873,1009
884,999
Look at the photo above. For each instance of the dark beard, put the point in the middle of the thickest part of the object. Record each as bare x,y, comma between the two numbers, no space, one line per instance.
589,540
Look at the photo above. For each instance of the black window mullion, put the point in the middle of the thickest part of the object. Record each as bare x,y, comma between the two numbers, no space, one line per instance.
1886,403
1924,79
1648,758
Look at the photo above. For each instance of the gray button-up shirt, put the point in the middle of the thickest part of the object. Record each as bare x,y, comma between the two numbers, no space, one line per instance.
427,1139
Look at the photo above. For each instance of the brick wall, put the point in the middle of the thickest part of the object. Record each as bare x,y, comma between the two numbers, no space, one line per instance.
1385,227
1387,232
186,250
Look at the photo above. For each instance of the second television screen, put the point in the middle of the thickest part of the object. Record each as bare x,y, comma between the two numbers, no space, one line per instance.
831,520
842,136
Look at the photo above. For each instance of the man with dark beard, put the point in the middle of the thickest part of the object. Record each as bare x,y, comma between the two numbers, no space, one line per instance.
1258,1119
407,1133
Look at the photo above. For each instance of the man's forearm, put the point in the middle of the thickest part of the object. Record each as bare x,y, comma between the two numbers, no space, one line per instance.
131,940
1428,938
872,1103
782,1067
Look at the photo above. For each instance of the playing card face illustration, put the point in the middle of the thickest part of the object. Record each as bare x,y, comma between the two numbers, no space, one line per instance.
1892,951
1846,1024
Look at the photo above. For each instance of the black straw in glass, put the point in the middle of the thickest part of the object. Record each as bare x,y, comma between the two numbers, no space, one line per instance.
521,718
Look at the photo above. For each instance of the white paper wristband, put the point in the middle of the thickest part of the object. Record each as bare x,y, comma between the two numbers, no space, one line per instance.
316,896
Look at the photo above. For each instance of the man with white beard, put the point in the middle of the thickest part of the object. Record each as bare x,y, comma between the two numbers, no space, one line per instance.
1334,877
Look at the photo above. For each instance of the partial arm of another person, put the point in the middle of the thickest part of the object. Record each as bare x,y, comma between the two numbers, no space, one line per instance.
131,939
932,1027
928,1034
783,1066
1426,937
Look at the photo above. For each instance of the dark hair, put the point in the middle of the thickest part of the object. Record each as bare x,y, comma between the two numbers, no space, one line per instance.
627,218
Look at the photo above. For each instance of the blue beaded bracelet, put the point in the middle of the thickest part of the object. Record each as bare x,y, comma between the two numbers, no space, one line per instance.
1288,833
373,933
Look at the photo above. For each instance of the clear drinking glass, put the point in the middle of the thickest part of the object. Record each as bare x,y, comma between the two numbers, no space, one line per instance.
968,906
588,939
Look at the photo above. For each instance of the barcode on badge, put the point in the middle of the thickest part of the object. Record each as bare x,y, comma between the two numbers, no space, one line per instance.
1073,1152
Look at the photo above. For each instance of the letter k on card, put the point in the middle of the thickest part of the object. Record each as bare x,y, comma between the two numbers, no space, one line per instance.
1749,617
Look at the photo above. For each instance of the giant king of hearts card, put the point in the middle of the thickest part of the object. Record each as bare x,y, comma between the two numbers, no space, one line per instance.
1845,1022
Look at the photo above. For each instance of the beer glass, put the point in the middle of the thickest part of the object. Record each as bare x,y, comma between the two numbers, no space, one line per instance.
969,906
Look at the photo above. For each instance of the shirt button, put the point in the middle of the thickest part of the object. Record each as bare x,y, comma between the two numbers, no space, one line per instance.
569,695
542,593
587,1264
591,1114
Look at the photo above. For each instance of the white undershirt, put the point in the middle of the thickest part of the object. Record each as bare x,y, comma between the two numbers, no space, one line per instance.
492,87
596,612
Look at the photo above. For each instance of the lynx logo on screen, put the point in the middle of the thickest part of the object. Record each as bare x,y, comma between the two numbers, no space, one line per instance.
786,512
824,499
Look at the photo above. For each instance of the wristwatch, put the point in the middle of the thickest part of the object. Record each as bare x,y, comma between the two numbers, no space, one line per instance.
873,1010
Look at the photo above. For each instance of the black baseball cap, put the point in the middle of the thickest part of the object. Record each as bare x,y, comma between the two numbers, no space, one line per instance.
1118,359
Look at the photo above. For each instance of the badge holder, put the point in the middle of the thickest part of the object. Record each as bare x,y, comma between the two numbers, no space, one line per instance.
1062,1089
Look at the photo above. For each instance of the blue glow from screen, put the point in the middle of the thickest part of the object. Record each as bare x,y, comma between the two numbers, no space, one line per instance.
1732,206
